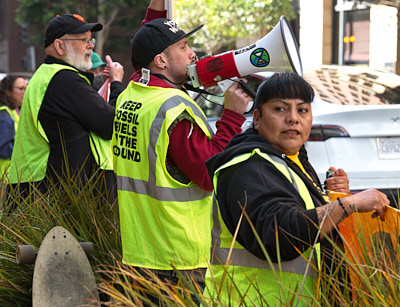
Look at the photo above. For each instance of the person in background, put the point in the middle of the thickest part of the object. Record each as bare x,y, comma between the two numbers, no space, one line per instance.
161,141
98,71
12,90
64,123
265,173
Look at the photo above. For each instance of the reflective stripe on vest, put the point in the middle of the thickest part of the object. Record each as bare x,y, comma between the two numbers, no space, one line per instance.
242,257
150,187
173,230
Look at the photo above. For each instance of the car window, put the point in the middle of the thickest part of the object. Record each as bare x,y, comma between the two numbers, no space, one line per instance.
354,85
346,85
212,104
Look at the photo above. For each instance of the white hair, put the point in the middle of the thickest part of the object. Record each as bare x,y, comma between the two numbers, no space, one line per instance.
76,59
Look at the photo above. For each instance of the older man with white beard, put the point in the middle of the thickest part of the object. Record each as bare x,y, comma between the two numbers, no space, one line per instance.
65,125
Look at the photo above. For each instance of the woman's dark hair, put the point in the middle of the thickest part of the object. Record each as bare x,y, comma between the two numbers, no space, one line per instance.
7,84
284,85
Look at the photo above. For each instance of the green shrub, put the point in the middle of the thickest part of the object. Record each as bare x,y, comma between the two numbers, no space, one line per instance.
91,216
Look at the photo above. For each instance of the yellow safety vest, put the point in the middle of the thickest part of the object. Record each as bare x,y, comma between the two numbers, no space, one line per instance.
5,163
30,155
249,280
165,224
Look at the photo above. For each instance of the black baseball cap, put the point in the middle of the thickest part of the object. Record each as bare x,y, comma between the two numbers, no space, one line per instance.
68,24
153,38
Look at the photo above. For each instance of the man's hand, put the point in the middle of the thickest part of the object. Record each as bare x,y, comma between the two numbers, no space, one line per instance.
236,98
157,5
113,70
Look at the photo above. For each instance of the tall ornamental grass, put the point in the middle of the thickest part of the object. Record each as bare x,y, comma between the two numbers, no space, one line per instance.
372,277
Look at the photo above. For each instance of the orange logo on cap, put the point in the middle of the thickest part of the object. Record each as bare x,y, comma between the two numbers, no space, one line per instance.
79,17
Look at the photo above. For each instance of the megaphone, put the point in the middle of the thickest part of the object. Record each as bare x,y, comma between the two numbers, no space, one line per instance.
277,51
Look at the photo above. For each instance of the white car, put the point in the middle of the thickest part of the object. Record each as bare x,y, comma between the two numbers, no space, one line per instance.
356,124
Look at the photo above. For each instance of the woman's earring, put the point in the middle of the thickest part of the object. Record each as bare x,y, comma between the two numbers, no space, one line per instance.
165,66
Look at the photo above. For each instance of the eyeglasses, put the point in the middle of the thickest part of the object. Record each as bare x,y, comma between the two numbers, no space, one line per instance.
83,40
21,88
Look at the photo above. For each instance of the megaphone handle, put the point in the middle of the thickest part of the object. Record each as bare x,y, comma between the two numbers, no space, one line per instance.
247,89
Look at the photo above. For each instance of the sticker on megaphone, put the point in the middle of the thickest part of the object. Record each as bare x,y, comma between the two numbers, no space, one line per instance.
277,51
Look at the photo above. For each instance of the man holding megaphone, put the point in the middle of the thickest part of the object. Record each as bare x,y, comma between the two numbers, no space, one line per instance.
277,51
161,141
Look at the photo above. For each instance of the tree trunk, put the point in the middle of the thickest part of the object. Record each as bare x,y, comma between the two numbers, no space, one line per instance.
106,21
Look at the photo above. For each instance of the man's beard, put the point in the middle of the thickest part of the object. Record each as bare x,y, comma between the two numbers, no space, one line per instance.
77,60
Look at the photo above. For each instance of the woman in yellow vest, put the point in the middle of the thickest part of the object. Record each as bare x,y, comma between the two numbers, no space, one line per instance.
12,90
265,173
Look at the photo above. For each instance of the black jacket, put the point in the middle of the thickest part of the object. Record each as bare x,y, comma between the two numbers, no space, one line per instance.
272,202
70,109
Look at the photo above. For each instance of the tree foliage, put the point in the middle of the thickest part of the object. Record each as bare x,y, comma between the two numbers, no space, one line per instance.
124,13
226,20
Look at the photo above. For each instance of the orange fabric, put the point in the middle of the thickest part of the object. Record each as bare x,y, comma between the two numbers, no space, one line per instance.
370,242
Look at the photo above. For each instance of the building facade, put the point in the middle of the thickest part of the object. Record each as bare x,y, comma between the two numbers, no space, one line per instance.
17,53
344,32
349,33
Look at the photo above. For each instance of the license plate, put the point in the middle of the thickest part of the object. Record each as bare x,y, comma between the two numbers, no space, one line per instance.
388,148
